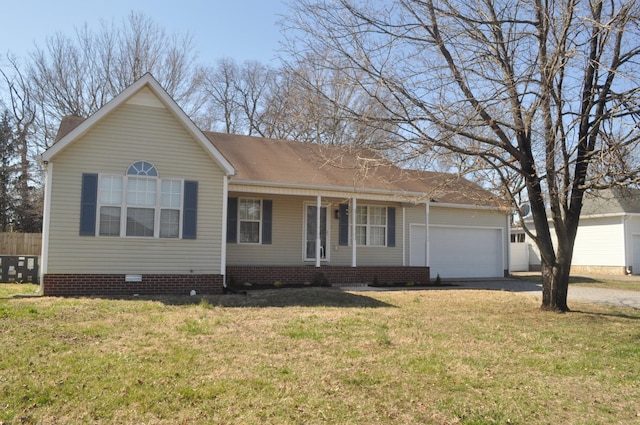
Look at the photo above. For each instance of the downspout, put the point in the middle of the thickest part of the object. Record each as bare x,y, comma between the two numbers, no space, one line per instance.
628,264
46,224
223,242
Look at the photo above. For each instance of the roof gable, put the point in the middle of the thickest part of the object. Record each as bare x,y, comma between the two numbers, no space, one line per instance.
145,91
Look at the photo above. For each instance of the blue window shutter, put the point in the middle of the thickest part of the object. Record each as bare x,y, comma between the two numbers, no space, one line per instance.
190,211
267,206
343,225
88,204
391,227
232,220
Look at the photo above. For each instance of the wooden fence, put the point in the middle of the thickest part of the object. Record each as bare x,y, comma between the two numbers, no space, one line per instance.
20,243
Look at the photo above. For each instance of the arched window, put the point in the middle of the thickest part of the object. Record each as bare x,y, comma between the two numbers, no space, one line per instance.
142,168
140,204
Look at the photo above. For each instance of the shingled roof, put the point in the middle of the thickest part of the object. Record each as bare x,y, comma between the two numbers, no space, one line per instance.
355,169
614,200
264,161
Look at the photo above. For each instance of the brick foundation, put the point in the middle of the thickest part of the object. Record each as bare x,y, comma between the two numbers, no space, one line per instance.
333,275
113,284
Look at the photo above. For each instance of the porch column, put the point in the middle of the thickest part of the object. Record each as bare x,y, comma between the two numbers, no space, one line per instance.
404,239
353,232
318,241
426,233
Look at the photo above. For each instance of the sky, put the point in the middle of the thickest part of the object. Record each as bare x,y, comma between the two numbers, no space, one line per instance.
237,29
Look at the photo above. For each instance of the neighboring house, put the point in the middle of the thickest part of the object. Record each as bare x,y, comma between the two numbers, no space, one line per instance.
608,238
139,200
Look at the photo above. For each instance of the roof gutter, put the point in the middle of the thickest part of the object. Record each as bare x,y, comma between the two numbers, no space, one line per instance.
465,206
413,197
345,189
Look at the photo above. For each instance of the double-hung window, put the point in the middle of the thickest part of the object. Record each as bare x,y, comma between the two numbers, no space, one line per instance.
371,225
140,204
249,217
111,205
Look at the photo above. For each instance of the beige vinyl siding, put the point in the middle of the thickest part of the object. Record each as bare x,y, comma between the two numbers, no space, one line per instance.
132,133
368,255
287,247
458,217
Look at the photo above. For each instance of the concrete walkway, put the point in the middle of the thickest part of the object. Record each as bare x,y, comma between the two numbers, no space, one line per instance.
616,297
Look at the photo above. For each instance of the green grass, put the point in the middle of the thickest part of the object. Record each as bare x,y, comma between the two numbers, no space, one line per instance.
594,282
317,356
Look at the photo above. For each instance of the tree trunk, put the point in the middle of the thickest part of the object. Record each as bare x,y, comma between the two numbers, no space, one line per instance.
555,286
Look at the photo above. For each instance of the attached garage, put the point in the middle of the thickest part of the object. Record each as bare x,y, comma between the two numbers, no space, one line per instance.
465,252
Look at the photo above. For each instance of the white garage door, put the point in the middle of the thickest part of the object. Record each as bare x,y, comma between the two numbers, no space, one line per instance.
465,252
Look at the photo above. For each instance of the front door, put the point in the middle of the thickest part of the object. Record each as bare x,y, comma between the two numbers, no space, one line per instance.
310,233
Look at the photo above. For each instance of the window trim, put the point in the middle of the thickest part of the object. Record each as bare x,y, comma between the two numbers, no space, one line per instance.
240,220
368,227
124,206
518,237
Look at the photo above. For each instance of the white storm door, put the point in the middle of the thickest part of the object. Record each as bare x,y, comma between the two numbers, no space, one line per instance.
311,217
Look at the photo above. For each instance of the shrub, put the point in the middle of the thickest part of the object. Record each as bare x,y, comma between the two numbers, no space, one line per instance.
319,279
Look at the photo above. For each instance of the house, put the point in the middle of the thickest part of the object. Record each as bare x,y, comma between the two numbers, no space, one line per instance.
608,238
139,200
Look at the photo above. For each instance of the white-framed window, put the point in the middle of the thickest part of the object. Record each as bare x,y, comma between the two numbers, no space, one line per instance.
139,204
110,201
249,220
371,225
517,238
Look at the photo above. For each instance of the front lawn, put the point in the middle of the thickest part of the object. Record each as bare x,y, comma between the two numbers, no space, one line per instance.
317,356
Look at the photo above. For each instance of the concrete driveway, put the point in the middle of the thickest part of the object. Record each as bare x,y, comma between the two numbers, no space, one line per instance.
616,297
576,293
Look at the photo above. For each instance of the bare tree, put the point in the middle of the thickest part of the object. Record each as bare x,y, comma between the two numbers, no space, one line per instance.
77,76
7,170
252,88
315,104
20,131
223,102
543,93
236,95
